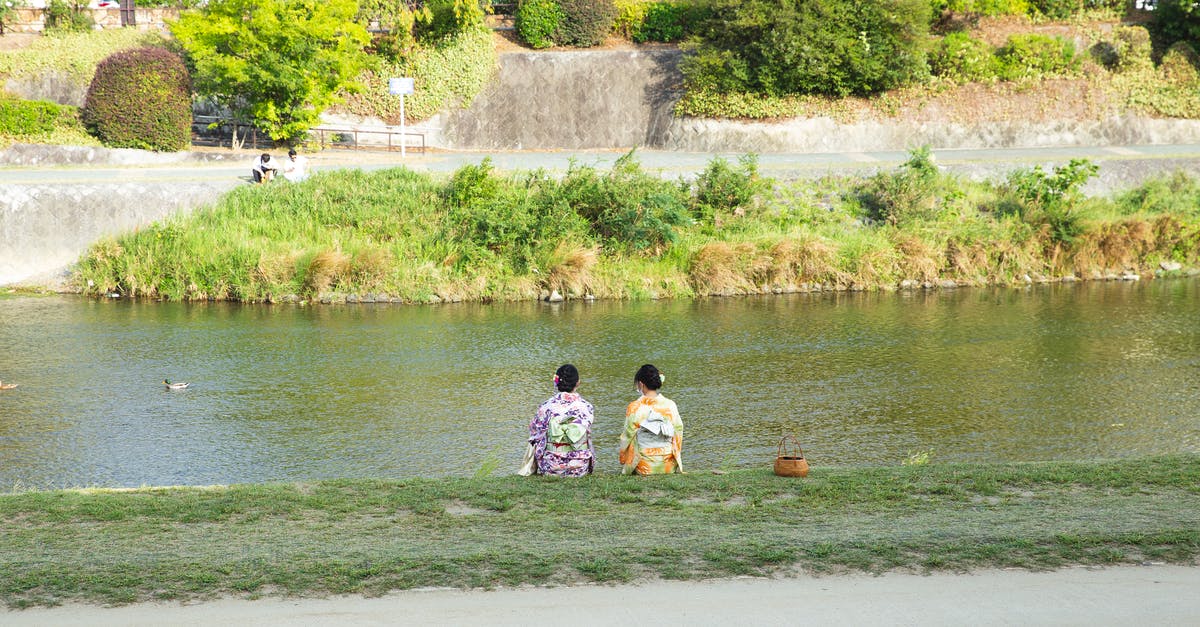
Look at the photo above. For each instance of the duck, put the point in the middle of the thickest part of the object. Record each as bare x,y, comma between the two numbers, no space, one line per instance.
7,386
174,386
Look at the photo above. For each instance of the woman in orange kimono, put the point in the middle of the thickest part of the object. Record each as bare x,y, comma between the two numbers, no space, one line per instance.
652,442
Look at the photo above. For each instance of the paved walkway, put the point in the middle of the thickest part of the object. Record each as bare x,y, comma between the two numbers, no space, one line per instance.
1124,596
670,163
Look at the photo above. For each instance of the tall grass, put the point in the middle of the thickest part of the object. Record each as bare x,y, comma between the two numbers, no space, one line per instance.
628,233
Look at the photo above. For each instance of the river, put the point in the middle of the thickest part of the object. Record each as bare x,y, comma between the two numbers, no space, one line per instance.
289,393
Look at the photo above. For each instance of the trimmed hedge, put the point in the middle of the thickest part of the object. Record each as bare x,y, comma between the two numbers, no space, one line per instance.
1036,56
537,21
585,23
141,99
962,59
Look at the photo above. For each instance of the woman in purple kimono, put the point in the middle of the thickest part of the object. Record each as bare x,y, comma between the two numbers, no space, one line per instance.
561,431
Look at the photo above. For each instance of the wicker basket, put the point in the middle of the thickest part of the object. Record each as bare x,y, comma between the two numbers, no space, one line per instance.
790,462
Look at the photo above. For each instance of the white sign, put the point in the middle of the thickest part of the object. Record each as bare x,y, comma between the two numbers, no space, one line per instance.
400,86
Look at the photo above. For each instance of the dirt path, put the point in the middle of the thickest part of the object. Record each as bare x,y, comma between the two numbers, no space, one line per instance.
1127,595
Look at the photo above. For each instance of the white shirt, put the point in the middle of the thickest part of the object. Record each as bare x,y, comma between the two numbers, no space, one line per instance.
295,169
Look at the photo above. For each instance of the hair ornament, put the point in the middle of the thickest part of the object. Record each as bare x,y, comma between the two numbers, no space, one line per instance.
555,379
662,378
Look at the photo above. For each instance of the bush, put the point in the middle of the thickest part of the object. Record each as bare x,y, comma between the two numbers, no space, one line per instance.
628,207
585,23
1036,56
537,21
905,195
834,47
1129,49
988,7
1181,64
140,99
722,188
64,17
665,22
962,59
1050,199
1057,9
23,118
630,16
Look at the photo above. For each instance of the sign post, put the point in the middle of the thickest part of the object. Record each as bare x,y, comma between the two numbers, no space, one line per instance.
401,87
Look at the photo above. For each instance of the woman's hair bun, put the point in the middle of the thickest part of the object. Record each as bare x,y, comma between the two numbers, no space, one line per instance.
650,377
566,377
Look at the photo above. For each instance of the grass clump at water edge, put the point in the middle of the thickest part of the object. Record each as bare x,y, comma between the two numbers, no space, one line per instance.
370,536
626,232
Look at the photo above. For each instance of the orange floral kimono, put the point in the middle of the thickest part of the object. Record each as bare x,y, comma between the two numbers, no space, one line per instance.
652,442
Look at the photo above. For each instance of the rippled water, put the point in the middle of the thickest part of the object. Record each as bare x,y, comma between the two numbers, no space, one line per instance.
289,393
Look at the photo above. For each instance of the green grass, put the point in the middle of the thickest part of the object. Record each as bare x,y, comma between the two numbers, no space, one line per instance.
371,536
483,236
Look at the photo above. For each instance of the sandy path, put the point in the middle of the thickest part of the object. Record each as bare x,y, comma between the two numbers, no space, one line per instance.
1127,595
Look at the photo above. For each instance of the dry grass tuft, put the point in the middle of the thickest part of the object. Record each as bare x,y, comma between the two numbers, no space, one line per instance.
325,270
273,269
918,260
568,268
370,267
717,268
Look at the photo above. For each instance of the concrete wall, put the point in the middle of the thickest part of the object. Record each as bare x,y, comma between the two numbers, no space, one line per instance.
46,227
569,100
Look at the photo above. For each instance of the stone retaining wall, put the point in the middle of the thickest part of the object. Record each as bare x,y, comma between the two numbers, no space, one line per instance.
30,20
45,228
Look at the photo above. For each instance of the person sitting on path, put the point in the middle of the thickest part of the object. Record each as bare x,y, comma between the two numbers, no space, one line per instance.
264,168
561,431
652,442
295,169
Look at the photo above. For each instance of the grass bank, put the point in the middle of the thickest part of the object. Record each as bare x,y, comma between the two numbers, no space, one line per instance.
626,233
370,536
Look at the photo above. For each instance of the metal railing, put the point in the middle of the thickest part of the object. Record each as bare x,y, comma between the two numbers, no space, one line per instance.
353,138
326,136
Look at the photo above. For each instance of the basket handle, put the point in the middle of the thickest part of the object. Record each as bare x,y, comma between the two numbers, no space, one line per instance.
794,444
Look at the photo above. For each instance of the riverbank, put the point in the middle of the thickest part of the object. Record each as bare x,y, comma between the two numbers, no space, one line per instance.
396,235
1157,594
372,536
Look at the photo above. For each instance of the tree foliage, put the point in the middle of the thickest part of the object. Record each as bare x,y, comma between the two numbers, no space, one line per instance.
274,63
835,47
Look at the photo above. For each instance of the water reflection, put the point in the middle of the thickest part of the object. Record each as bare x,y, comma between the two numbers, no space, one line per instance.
291,393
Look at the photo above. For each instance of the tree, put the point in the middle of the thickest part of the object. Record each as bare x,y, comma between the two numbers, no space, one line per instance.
274,63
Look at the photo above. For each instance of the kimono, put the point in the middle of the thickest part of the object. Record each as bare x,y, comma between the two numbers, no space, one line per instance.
652,442
561,436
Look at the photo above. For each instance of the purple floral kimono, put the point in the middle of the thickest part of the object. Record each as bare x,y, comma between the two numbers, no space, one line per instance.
561,436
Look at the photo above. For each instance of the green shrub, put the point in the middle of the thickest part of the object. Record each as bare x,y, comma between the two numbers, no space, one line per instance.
1129,48
67,17
722,188
1181,64
1051,199
1057,9
1028,56
905,195
141,99
630,16
988,7
627,207
665,22
585,23
834,47
962,59
28,117
537,21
